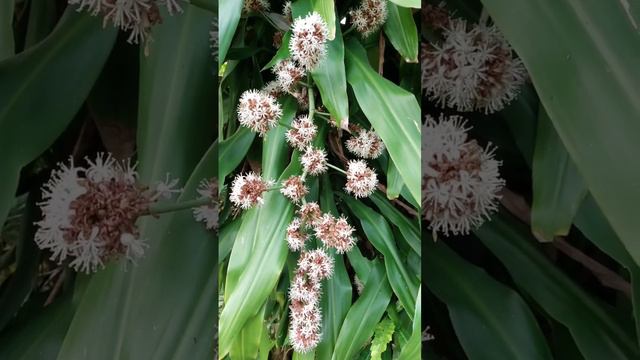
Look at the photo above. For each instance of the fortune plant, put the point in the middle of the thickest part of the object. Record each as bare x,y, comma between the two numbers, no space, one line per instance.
259,111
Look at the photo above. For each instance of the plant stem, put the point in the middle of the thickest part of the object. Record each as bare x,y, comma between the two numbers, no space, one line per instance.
167,208
348,31
337,169
322,113
312,100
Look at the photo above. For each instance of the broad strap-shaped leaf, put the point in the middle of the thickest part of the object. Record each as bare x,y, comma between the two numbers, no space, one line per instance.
57,74
558,188
379,234
233,150
410,232
401,30
407,3
588,81
596,332
229,16
152,310
413,347
363,316
392,111
491,320
326,9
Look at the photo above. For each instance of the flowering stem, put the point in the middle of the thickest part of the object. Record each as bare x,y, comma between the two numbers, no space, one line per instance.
484,16
322,113
337,168
312,101
172,207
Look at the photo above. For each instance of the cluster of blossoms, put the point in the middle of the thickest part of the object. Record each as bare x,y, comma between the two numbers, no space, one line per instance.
134,16
366,144
259,111
208,213
461,181
90,213
369,16
255,6
472,68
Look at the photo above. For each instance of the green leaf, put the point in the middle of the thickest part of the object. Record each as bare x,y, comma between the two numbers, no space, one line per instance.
365,313
407,3
394,181
57,74
247,343
282,53
411,350
588,80
326,9
382,336
401,30
233,150
331,80
229,15
596,333
491,320
393,112
152,310
42,19
259,250
558,188
379,234
410,232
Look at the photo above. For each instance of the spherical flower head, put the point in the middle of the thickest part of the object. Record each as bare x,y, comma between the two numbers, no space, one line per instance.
294,188
366,144
309,213
361,180
208,214
302,132
304,288
248,190
314,161
258,111
288,74
296,237
461,180
335,233
308,40
369,16
90,213
316,264
251,6
472,69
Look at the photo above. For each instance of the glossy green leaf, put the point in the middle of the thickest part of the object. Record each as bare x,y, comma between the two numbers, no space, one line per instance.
247,343
558,188
402,32
331,80
259,250
407,3
595,331
57,74
394,181
282,53
229,12
233,150
379,234
588,81
413,347
151,310
392,111
491,320
364,314
410,232
42,19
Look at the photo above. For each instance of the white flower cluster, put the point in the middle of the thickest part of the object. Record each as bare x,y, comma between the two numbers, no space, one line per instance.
461,181
366,144
472,69
308,43
369,16
248,190
135,16
208,214
250,6
90,213
258,111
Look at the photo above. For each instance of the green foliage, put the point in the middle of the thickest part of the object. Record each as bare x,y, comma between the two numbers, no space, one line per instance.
382,336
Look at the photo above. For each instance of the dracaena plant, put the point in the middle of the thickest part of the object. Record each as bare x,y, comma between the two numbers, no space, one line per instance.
317,185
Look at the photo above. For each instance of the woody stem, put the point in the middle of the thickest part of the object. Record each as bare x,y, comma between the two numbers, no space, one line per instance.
158,209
